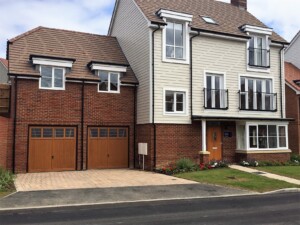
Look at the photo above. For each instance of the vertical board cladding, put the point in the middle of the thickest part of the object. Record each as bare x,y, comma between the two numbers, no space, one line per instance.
171,76
229,57
145,134
131,29
176,141
293,111
4,123
63,108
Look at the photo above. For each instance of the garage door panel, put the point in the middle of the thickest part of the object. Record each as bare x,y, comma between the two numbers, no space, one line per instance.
97,158
40,152
118,154
64,156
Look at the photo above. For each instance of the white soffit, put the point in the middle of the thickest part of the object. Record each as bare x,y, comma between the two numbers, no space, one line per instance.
52,62
257,30
112,68
175,15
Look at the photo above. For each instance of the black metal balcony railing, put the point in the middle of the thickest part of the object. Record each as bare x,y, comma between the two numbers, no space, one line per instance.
259,57
258,101
216,99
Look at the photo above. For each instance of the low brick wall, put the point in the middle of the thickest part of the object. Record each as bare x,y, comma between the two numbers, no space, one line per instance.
276,157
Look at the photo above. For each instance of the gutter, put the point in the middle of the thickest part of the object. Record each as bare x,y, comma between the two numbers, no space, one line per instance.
153,99
15,126
191,70
280,77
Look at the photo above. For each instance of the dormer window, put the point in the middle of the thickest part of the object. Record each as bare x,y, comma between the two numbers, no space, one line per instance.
175,47
52,71
109,81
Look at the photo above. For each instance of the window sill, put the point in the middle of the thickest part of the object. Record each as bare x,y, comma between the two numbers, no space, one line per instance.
284,150
215,109
176,61
110,92
255,110
53,89
258,69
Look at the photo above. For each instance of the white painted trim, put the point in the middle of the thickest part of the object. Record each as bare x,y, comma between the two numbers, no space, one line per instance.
28,78
151,75
263,151
109,91
185,104
293,88
52,62
175,15
204,136
53,80
186,53
112,68
257,30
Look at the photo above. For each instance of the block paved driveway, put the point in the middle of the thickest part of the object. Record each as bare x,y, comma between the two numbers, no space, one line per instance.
93,179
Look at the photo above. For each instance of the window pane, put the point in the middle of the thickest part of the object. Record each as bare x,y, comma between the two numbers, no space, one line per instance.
47,132
179,97
46,82
243,88
179,53
59,132
94,132
36,132
262,136
114,80
179,35
169,101
58,78
122,133
170,34
103,132
272,142
253,136
282,131
113,132
170,52
250,94
69,132
282,142
272,130
103,86
179,107
46,73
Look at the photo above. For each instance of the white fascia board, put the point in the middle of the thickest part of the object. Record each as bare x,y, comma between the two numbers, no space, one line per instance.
175,15
52,62
257,30
112,68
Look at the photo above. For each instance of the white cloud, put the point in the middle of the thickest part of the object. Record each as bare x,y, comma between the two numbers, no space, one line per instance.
93,16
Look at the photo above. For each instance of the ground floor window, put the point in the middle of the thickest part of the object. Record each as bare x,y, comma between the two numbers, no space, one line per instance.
259,136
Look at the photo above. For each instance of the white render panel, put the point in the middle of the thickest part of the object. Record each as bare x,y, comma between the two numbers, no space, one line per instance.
230,57
293,53
131,29
171,76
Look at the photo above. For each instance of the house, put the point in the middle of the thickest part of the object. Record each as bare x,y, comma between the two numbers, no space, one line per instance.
3,71
292,53
211,80
72,103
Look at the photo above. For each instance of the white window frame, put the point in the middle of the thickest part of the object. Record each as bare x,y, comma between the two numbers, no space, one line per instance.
247,137
186,43
175,113
53,80
223,82
109,74
253,77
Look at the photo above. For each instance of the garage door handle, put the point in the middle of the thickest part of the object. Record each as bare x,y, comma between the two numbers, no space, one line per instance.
107,155
52,157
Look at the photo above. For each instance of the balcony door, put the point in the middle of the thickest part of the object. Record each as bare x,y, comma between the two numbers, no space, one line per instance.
258,52
214,92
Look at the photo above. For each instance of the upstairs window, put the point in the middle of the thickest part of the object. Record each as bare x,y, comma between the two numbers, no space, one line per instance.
258,52
52,78
109,82
175,40
174,102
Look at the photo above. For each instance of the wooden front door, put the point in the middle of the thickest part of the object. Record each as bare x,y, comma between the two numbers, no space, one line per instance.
107,148
214,142
52,149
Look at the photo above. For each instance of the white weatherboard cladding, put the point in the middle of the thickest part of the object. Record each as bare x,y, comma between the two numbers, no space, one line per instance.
171,76
226,56
131,29
293,53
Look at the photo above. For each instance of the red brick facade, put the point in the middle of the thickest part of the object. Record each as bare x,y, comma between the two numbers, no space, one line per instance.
4,122
273,157
63,108
293,111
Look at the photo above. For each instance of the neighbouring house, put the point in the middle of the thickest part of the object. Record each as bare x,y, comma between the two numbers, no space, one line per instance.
199,79
72,102
3,71
292,86
211,80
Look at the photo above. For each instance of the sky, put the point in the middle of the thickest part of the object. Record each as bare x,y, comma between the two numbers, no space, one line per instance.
93,16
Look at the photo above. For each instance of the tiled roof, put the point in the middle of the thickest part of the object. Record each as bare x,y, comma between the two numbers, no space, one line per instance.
229,18
4,62
292,74
83,47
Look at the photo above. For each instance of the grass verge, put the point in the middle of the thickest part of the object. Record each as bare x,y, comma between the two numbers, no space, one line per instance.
288,171
237,179
6,183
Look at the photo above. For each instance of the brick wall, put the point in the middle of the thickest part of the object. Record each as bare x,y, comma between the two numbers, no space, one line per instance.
144,134
293,111
274,157
4,122
50,108
229,143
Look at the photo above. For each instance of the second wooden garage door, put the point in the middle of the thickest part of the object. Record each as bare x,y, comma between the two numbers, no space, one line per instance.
107,148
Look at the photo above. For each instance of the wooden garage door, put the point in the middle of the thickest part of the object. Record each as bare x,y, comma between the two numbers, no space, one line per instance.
52,149
107,148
